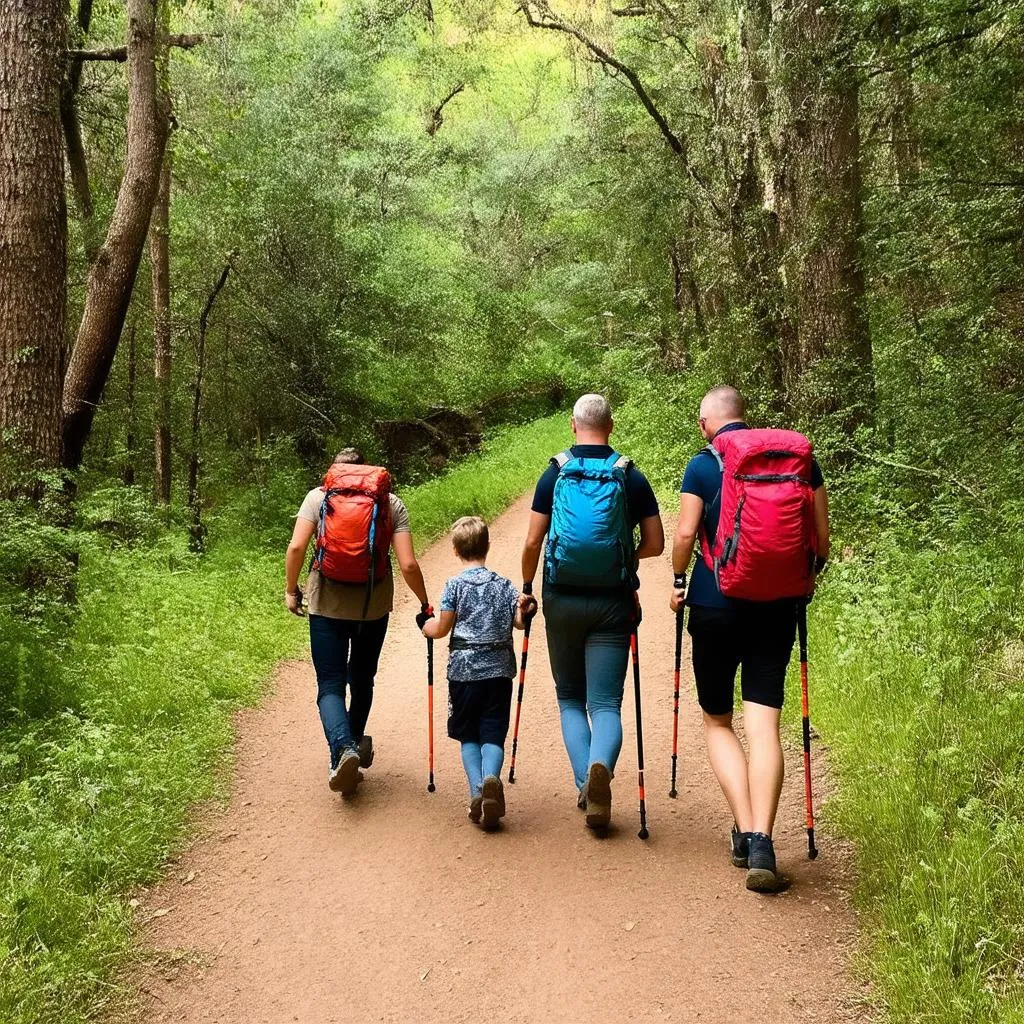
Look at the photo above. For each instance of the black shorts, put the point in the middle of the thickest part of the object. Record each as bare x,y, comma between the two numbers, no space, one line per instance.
758,637
478,711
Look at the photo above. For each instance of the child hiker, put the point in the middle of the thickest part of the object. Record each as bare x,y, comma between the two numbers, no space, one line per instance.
479,608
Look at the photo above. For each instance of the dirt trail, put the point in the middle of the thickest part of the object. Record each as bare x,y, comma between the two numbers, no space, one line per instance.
295,906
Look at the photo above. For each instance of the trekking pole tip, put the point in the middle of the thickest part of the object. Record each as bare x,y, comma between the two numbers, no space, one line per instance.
643,833
673,793
431,787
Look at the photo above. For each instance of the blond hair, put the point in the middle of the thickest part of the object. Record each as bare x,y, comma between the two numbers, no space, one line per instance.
471,538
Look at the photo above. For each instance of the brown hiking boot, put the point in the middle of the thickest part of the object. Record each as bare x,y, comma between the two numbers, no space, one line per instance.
599,796
493,801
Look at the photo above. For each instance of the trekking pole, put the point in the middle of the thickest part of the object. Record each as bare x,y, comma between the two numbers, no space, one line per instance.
430,711
680,584
519,699
801,621
634,650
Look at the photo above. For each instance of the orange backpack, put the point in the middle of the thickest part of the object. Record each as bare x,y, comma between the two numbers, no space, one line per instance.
355,527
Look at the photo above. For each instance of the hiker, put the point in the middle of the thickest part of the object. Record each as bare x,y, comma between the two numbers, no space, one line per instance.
768,562
589,502
479,608
356,520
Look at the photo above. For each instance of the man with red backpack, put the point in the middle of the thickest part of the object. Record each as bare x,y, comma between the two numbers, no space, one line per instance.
756,502
356,521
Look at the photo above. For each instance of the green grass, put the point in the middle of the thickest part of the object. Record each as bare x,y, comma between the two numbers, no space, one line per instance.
917,690
95,794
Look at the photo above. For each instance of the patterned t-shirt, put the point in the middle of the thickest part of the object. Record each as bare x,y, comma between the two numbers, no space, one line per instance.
481,641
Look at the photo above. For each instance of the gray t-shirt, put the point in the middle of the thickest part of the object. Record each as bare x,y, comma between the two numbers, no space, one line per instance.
481,641
347,600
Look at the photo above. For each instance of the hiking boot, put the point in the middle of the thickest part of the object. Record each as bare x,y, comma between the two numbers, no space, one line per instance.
581,800
365,748
740,847
761,871
346,776
493,806
599,796
476,809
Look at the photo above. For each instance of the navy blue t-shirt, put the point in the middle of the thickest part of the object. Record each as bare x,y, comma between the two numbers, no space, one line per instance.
703,478
641,502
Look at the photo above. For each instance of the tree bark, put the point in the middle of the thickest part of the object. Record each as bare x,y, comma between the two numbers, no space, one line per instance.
131,437
828,369
159,259
197,531
33,230
113,272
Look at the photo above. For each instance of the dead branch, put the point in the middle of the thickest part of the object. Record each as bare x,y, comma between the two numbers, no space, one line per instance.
120,53
436,116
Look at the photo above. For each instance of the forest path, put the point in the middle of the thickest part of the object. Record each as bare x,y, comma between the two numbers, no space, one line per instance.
296,906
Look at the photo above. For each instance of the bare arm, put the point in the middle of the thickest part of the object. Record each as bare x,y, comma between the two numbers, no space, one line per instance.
691,509
293,559
434,629
411,572
821,524
535,535
652,537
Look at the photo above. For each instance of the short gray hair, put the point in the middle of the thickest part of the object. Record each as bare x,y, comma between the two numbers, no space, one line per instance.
592,411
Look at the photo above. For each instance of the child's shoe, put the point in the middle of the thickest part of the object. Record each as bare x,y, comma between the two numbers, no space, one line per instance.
476,809
493,805
346,775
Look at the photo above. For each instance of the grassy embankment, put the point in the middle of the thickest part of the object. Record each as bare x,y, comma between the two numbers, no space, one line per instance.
917,658
94,795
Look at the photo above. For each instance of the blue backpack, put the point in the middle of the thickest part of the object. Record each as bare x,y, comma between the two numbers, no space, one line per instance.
590,542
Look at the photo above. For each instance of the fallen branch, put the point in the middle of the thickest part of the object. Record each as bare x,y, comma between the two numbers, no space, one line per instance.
119,54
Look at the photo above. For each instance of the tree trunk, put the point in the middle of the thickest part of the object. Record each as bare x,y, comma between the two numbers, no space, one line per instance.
131,437
197,531
828,369
33,230
112,275
159,259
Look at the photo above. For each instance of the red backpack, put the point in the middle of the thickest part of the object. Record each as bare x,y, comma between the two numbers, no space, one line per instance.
766,542
355,527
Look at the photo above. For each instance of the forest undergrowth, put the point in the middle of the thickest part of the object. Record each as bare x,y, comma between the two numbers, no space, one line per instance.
96,787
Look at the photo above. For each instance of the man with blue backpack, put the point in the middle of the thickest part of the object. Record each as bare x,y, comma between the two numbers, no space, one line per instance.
589,503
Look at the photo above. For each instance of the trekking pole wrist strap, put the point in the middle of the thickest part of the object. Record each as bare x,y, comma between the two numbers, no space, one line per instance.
527,586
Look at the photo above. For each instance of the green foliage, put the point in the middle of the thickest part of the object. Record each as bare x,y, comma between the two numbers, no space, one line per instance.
129,721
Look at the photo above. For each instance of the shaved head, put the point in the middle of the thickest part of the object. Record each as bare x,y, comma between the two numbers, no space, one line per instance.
720,406
723,403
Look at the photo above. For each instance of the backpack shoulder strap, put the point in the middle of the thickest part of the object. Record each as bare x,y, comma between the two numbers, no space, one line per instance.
562,459
717,455
622,462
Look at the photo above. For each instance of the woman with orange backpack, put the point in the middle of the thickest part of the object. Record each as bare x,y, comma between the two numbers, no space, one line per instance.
355,521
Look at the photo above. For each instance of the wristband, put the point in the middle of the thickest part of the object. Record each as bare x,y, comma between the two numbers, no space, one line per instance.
679,581
527,586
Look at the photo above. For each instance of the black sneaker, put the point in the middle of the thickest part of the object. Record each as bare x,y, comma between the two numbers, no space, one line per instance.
740,847
346,776
761,871
365,747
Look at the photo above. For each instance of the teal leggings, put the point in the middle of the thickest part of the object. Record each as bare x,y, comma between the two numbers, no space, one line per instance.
588,647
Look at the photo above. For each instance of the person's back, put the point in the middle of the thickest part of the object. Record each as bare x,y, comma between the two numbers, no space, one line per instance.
729,634
479,608
589,503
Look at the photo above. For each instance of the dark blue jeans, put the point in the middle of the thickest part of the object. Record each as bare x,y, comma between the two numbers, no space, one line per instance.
345,655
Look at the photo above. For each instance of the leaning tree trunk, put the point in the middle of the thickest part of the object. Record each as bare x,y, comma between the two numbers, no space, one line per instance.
159,258
197,531
33,230
131,440
828,369
113,272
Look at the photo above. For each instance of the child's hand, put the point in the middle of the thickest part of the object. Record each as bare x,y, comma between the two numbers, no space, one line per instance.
527,606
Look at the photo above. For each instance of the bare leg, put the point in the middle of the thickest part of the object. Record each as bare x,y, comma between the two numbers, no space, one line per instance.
766,766
730,766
